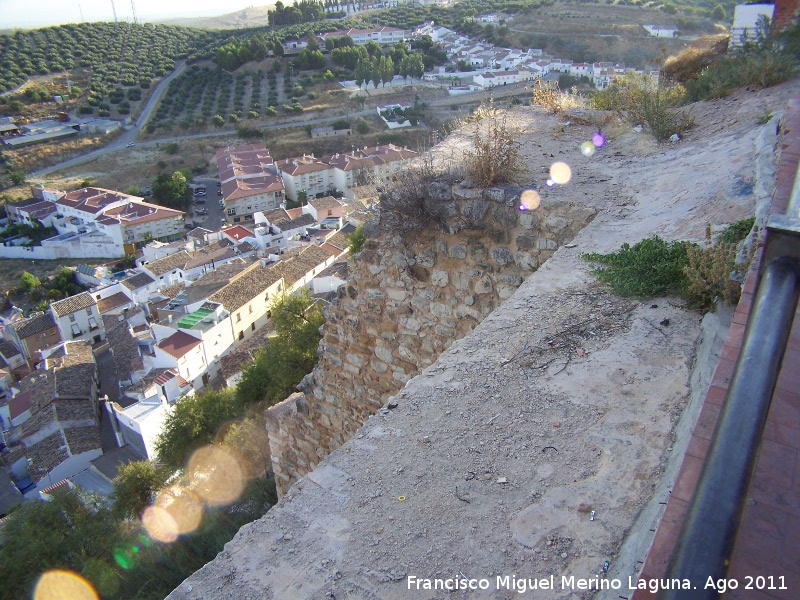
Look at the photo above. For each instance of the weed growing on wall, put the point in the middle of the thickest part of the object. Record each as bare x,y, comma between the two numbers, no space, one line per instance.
495,154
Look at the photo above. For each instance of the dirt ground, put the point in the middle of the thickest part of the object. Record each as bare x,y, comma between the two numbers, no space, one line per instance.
566,400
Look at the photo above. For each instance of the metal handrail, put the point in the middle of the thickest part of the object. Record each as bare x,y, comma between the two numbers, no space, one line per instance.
705,543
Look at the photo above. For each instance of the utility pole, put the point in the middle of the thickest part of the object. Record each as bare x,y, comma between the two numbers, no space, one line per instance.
114,10
133,10
81,11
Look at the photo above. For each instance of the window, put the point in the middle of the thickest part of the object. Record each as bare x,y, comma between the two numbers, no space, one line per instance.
89,311
252,326
72,318
241,335
251,309
42,334
238,317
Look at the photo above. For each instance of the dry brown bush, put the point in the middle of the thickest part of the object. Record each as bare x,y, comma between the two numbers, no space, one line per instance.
495,156
550,96
688,63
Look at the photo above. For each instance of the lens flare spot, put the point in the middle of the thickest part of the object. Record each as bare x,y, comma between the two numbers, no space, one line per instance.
215,475
182,505
550,183
587,148
529,200
598,139
63,585
160,524
560,173
123,558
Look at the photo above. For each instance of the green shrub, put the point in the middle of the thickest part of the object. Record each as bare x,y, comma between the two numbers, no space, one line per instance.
356,240
643,101
651,267
736,232
761,65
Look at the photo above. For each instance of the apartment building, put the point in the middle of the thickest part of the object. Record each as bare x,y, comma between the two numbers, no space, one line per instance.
380,35
305,173
249,180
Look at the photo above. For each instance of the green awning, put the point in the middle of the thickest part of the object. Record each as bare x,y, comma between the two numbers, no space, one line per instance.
189,321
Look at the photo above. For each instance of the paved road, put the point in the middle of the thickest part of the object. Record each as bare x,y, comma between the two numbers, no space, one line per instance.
130,135
214,219
127,137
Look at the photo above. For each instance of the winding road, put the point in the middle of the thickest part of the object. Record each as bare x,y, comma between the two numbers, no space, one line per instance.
127,137
130,134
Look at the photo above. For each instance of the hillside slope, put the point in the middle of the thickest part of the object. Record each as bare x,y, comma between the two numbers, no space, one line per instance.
494,455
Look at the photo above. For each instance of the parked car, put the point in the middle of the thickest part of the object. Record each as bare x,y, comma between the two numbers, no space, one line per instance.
200,192
219,192
201,211
131,145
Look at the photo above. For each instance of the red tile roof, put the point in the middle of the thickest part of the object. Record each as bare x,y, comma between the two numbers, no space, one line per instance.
237,232
252,186
19,404
178,344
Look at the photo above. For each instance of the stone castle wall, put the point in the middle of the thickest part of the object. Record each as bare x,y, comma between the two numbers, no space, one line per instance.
411,295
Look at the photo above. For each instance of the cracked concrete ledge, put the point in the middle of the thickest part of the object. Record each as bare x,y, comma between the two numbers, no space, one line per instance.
562,402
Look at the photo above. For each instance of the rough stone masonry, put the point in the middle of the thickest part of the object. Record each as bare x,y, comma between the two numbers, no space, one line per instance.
411,296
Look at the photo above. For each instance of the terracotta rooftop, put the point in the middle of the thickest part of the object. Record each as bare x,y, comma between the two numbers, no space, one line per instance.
245,286
340,269
112,302
73,304
252,186
7,349
137,281
124,347
34,325
178,344
301,165
168,263
325,203
237,232
276,215
198,233
93,200
303,220
140,212
295,268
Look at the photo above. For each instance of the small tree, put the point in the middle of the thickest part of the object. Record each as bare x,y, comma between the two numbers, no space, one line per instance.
193,423
356,240
28,282
135,487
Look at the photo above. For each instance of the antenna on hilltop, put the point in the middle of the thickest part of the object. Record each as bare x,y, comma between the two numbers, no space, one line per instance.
81,11
114,10
133,10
